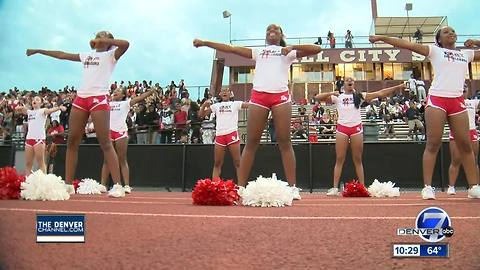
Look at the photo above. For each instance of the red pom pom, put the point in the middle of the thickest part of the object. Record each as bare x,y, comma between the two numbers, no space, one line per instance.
10,183
75,184
355,189
215,192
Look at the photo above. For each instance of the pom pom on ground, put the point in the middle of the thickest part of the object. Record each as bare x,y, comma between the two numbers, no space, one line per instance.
267,192
10,183
355,189
90,186
215,192
383,189
40,186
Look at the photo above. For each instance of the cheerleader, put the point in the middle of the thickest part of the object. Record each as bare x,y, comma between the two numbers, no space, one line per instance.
92,100
349,127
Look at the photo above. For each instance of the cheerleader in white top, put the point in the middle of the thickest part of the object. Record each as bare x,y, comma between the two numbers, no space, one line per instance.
445,102
35,140
472,106
119,108
226,133
349,127
92,100
270,93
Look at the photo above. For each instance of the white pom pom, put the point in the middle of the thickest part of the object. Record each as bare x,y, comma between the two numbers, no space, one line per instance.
267,192
383,189
40,186
90,186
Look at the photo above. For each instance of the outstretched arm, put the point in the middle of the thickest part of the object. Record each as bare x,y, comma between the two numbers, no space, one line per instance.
55,54
205,109
383,93
471,43
122,45
302,50
54,109
141,97
326,96
403,44
242,51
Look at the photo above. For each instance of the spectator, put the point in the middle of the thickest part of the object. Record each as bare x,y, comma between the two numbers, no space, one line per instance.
195,122
90,135
319,41
371,111
152,122
389,130
418,35
421,90
339,84
331,39
141,124
180,119
412,85
56,133
167,124
348,39
327,127
412,116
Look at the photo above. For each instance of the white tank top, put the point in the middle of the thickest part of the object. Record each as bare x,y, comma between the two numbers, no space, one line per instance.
97,70
348,114
118,115
36,124
227,116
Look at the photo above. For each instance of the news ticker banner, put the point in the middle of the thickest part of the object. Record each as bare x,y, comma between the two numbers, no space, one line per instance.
440,250
60,228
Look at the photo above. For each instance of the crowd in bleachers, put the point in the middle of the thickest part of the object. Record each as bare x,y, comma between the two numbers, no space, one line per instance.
170,116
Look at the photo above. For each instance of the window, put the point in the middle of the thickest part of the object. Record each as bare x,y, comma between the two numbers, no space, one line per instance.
243,74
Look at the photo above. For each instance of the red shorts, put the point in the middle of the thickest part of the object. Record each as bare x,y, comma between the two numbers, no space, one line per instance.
94,103
269,100
350,131
451,106
115,136
473,135
34,142
227,139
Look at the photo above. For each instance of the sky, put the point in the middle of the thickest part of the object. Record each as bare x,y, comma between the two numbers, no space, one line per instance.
161,32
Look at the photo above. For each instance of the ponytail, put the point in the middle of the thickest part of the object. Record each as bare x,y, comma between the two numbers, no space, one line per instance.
357,99
283,43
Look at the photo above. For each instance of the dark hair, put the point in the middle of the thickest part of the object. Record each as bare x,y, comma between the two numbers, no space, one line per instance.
357,99
283,43
437,38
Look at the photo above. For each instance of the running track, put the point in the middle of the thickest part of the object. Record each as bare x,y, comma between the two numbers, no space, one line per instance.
159,230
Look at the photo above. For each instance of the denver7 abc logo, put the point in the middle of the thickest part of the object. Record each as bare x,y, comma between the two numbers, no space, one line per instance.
432,225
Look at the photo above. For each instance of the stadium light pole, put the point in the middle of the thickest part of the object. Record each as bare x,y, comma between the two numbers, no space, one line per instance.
408,7
228,15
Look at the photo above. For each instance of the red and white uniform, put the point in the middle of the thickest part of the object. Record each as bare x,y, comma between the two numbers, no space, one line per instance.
94,89
227,122
36,127
471,105
270,83
349,120
118,117
449,67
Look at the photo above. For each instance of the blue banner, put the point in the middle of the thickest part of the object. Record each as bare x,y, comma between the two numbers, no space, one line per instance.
60,225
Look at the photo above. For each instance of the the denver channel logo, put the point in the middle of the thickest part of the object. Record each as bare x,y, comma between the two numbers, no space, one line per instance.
432,225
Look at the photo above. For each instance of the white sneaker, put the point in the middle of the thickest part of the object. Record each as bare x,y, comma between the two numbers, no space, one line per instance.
70,189
103,189
116,191
333,192
451,190
296,193
127,189
474,192
428,193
